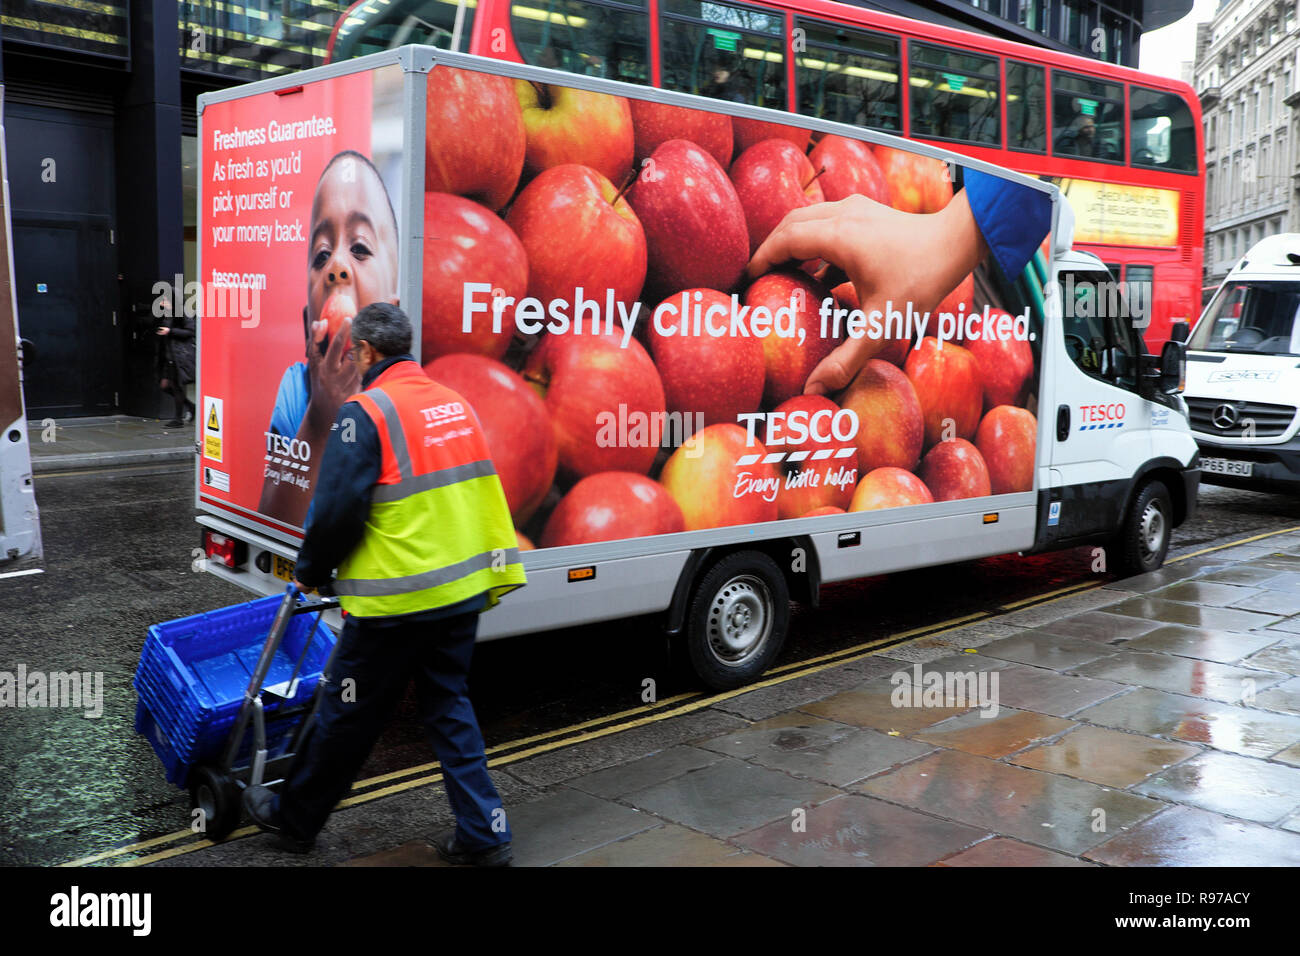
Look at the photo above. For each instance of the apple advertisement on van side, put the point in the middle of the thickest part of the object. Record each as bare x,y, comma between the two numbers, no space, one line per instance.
668,319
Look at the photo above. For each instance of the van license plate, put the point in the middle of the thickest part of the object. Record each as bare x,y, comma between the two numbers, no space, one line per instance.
1226,466
282,568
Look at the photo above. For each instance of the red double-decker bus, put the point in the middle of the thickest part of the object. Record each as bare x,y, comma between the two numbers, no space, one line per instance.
1125,146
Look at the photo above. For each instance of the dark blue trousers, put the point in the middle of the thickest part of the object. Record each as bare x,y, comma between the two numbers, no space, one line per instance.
371,670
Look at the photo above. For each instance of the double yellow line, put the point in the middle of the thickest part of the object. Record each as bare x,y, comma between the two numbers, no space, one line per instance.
383,785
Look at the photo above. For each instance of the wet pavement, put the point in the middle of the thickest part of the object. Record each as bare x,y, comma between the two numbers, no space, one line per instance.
1118,739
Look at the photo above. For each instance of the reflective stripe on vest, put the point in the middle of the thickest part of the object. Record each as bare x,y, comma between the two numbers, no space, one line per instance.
439,529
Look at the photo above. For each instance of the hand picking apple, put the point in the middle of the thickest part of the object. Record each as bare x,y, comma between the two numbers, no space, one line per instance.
886,254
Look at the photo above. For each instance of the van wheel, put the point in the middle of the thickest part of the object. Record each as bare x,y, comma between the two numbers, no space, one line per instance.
737,620
1143,541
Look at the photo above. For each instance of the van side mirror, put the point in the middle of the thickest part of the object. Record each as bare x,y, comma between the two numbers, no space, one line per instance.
1179,332
1173,366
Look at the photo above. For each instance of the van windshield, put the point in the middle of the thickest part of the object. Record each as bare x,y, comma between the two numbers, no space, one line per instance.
1262,318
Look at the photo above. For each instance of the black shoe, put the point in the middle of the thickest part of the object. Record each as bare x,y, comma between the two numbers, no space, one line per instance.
174,423
457,854
263,808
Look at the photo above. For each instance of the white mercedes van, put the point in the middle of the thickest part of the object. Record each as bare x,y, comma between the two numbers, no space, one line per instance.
1243,372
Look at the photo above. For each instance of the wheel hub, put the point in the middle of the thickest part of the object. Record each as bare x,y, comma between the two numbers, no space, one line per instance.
740,620
1152,528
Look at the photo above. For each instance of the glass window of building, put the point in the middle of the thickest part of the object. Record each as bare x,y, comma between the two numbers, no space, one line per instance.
1073,26
261,39
1026,107
954,94
1087,117
1114,36
99,28
724,50
581,36
849,76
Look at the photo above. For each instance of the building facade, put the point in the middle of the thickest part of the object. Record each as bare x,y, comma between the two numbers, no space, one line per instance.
99,112
1246,69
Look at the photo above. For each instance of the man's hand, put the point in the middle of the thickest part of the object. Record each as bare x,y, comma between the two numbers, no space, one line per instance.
334,377
304,588
889,256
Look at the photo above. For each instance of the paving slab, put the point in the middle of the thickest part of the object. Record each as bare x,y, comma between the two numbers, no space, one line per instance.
643,773
1004,851
1272,602
1288,581
1225,647
1004,734
1068,606
1111,758
1289,756
769,701
1284,697
1155,580
669,845
871,705
1157,612
1205,592
1183,675
1042,649
1236,729
830,753
1102,626
1184,836
411,853
853,830
569,822
1290,626
1241,574
1046,809
1230,784
1047,692
730,797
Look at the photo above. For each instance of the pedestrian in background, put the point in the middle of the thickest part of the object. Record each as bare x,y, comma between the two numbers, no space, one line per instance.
411,513
177,359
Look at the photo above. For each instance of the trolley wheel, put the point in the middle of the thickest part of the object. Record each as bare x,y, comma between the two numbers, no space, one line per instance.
1143,540
737,620
215,794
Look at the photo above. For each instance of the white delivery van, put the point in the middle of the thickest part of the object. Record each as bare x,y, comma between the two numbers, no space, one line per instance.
1243,372
578,259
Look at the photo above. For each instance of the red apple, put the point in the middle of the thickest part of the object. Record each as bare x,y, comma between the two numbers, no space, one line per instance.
338,307
515,426
847,167
578,233
959,302
1007,438
568,125
1005,367
789,359
525,543
747,132
694,225
603,401
812,481
464,242
654,124
889,488
894,349
947,383
827,510
891,426
475,136
772,178
916,183
712,489
719,377
955,469
611,506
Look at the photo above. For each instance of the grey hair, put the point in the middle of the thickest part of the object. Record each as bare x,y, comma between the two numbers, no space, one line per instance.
385,327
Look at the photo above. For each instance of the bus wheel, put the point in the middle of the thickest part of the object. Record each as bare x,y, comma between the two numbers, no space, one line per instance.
737,620
1144,538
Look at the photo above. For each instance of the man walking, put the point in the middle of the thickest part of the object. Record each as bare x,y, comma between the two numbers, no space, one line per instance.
410,511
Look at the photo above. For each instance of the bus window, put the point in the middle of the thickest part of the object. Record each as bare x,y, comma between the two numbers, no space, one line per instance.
1087,118
1138,286
848,76
580,36
723,50
1160,126
1026,107
954,94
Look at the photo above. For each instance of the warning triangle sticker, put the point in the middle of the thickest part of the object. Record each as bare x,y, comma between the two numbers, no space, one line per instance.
213,424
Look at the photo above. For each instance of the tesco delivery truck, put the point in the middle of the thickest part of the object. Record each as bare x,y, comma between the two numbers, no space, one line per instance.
721,355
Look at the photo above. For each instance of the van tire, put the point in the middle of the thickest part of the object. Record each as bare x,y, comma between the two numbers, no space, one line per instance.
737,620
1143,540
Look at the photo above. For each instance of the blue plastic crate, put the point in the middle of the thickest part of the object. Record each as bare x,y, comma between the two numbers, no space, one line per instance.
193,673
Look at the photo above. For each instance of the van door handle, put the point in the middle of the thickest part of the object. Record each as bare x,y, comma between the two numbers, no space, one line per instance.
1062,422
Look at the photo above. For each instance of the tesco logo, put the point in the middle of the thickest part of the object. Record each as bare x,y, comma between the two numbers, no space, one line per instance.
1113,412
795,428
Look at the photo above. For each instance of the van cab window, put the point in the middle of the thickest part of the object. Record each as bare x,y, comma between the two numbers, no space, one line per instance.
1261,318
1099,332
